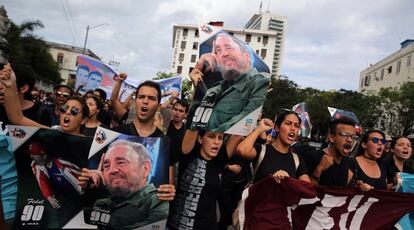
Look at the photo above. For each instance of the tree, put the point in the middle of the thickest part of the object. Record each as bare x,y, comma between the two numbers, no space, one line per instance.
186,84
27,48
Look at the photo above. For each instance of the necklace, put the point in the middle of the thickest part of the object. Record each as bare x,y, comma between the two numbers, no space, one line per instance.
146,133
369,158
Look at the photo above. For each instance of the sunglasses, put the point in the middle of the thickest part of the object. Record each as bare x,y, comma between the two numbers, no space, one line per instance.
375,140
58,94
74,111
346,135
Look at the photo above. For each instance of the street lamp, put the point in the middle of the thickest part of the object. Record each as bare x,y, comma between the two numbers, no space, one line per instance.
87,31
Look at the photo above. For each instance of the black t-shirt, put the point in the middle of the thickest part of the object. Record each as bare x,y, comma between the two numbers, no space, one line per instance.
37,112
129,129
90,132
194,206
336,175
274,161
378,183
176,139
391,169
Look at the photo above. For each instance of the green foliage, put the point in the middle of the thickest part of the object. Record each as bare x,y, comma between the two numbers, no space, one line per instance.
27,48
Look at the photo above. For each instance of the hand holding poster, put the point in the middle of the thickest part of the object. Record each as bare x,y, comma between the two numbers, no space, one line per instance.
48,164
58,187
130,169
230,84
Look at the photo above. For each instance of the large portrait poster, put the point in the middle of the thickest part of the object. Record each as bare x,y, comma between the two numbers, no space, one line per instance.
51,195
132,168
92,73
234,83
48,164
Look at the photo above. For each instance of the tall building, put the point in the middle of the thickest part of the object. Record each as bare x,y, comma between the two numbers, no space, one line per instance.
65,56
268,22
391,71
267,43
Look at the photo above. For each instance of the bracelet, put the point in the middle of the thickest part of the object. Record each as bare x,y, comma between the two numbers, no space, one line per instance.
314,177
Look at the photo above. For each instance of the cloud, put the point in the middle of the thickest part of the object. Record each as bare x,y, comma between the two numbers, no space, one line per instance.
328,42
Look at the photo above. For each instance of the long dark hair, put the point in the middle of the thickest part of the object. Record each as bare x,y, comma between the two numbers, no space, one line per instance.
282,116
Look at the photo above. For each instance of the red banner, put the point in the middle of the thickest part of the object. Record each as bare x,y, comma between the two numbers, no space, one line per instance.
295,204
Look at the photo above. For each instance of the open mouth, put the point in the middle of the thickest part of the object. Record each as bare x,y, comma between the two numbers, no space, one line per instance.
291,136
66,121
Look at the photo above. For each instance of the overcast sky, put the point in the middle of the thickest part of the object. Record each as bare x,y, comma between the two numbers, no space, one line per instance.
328,42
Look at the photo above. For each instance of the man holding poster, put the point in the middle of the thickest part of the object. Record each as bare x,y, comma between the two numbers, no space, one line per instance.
133,202
242,90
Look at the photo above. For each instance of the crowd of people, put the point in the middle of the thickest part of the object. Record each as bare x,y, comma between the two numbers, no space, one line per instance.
206,166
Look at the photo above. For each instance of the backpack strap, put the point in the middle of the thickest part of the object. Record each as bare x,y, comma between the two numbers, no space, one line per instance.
296,160
259,161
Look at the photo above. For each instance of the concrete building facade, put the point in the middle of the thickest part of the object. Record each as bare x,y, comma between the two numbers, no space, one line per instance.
268,22
65,56
265,42
392,71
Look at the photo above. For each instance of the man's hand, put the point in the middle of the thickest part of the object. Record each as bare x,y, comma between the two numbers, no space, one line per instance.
326,162
54,202
166,192
280,175
121,77
235,168
209,61
94,177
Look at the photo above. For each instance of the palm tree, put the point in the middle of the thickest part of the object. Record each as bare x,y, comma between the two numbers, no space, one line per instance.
27,48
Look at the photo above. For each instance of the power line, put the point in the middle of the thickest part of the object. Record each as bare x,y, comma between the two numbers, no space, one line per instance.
67,22
73,22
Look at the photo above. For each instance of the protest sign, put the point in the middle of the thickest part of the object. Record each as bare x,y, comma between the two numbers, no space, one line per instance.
92,74
295,204
233,86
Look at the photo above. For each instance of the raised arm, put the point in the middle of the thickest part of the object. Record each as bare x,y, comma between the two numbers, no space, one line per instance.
189,140
11,99
116,103
245,148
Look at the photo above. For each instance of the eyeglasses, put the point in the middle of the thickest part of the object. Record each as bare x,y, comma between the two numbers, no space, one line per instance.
58,94
346,135
375,140
74,111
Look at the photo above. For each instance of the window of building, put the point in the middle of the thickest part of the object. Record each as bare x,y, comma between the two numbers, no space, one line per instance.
193,58
265,40
367,80
389,69
183,44
248,37
185,32
409,60
257,52
60,59
263,53
179,69
375,76
181,57
195,45
382,74
259,39
362,82
398,66
196,33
